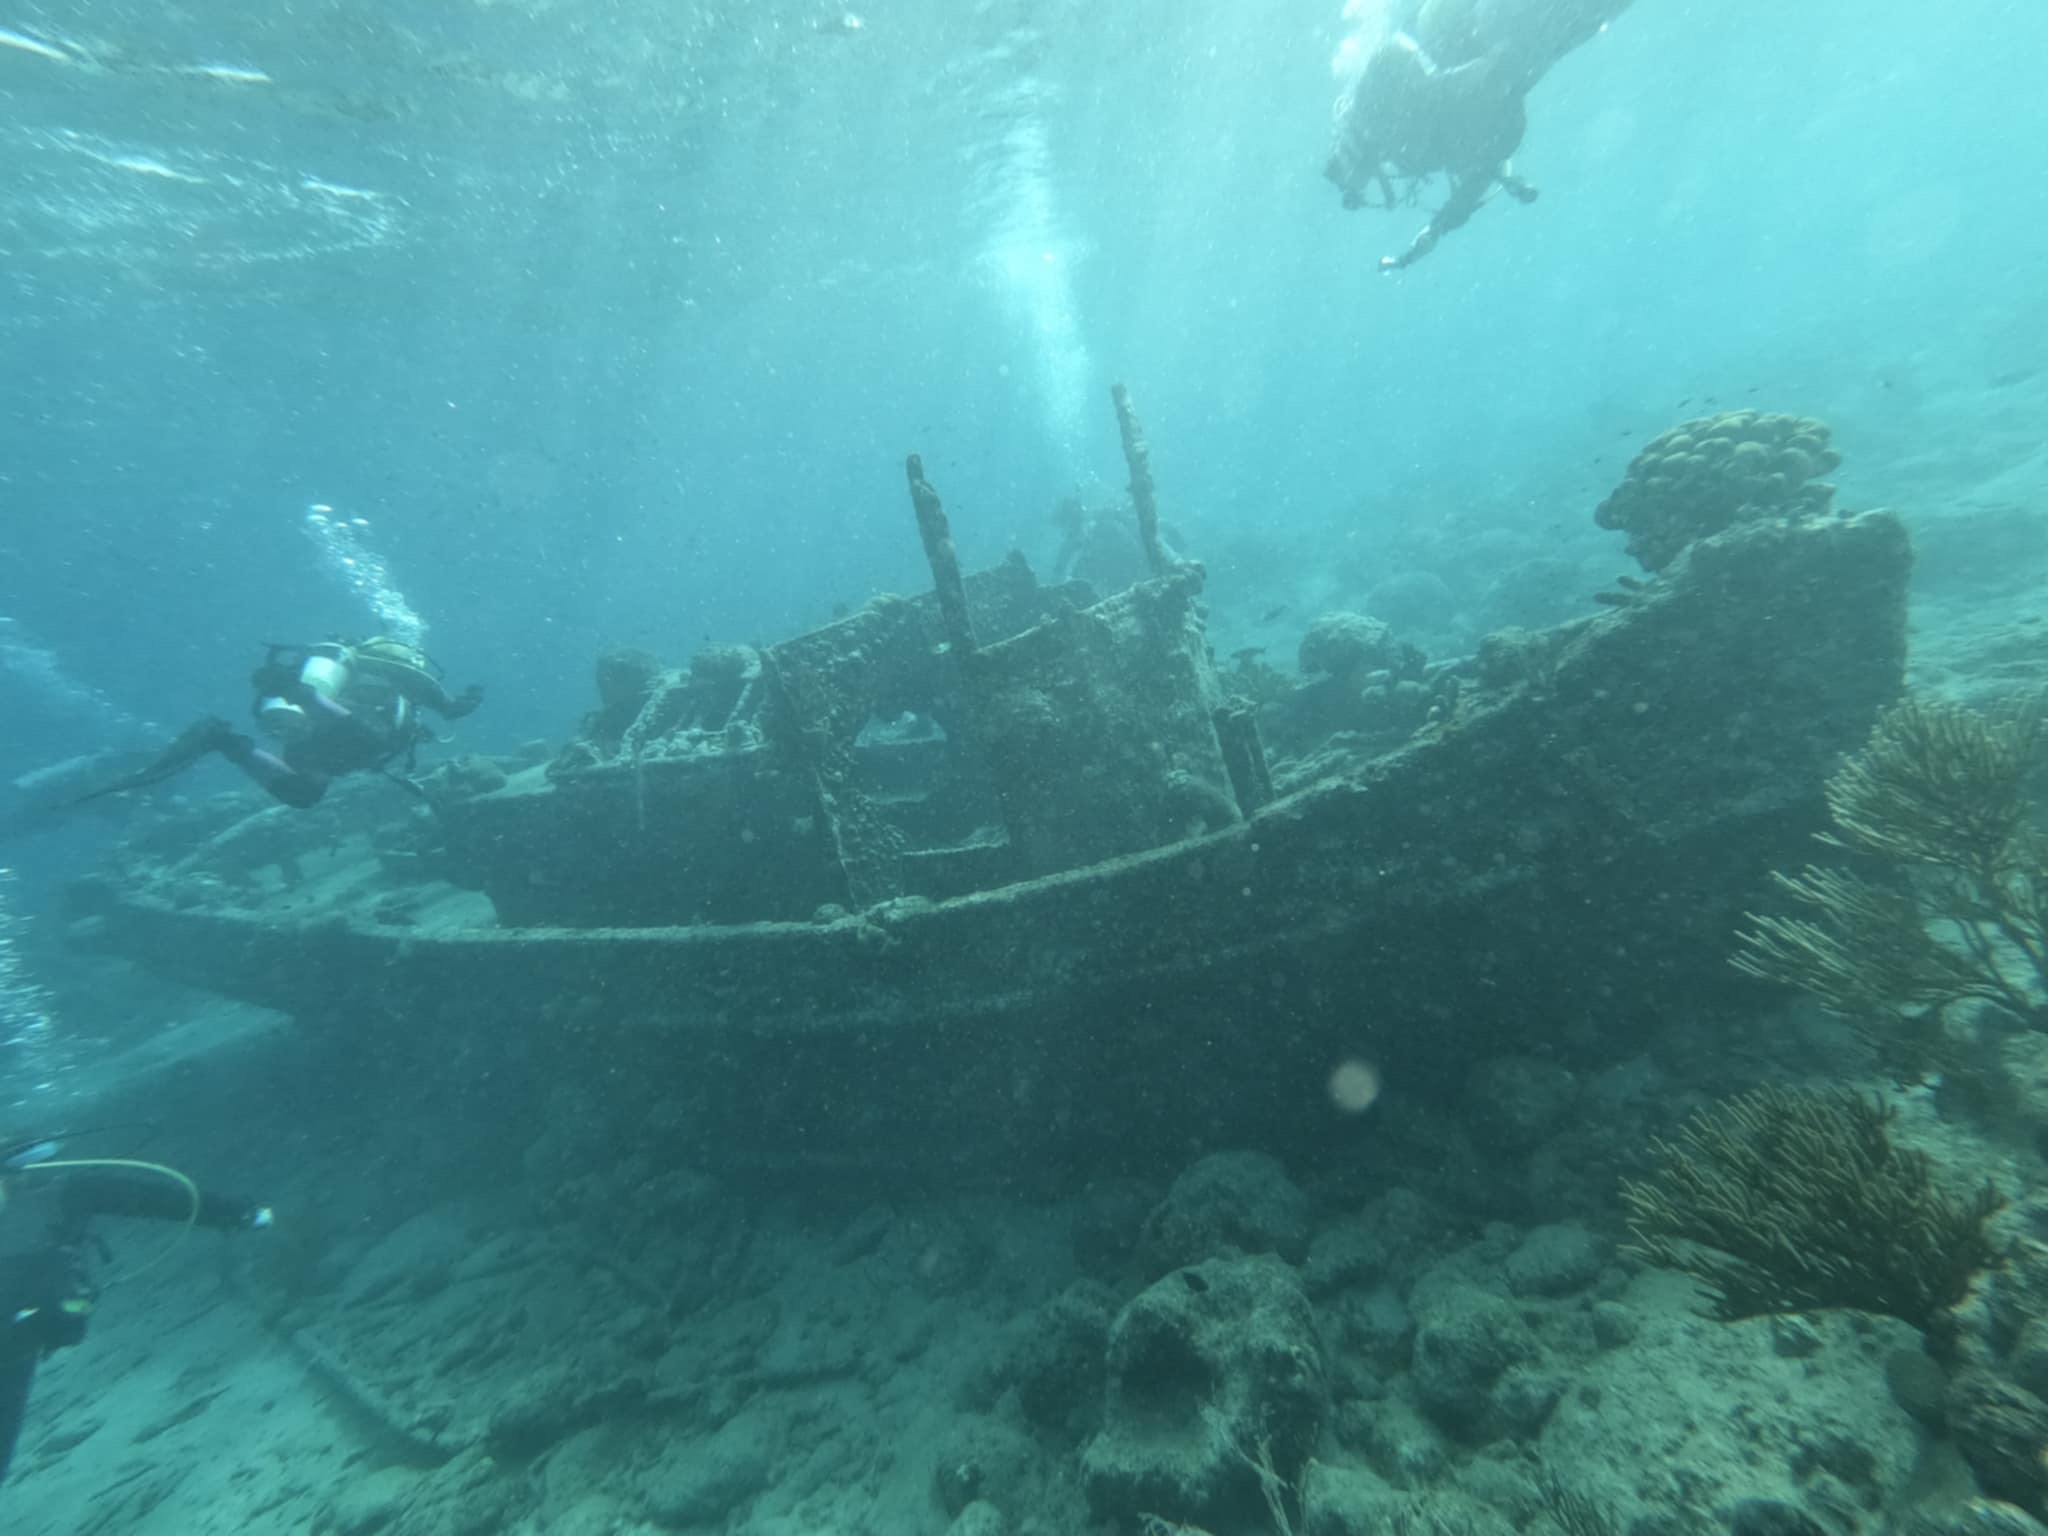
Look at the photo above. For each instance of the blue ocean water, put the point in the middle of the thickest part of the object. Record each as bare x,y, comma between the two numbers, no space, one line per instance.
539,328
614,325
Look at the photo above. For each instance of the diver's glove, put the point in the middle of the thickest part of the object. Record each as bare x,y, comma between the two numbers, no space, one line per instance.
230,1213
465,702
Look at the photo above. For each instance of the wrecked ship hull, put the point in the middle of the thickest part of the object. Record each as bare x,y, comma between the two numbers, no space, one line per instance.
1545,867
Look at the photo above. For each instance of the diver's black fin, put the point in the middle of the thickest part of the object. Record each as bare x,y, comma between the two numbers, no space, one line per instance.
193,743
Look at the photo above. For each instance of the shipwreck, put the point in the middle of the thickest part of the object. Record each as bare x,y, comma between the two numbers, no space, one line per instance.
1012,879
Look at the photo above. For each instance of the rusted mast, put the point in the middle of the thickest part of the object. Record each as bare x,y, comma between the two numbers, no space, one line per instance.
1139,457
937,534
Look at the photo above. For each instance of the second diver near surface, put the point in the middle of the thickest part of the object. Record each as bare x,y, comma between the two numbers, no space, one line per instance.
333,708
1444,94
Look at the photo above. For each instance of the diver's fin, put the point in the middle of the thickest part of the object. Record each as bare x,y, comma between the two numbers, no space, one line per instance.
211,734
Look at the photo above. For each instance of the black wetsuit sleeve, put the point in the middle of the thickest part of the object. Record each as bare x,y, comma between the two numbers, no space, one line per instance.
428,694
113,1193
461,704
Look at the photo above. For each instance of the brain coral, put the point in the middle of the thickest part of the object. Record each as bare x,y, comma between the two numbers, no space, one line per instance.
1713,471
1346,645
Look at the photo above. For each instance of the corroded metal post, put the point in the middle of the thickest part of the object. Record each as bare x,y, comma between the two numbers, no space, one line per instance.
1139,457
938,551
1244,755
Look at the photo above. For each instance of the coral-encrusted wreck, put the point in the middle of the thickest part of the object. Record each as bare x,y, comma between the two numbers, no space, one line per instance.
1001,878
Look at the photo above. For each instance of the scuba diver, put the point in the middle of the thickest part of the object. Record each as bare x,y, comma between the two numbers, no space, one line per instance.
1099,542
334,708
1444,95
47,1292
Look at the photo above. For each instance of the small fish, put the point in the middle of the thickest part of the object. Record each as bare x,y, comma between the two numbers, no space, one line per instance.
335,189
142,165
42,50
1273,613
227,74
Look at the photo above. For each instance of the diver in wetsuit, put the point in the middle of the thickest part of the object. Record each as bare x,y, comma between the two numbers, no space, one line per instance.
1444,95
335,708
47,1292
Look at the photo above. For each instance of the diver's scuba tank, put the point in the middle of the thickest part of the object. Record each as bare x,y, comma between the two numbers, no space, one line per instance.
324,668
398,674
389,651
